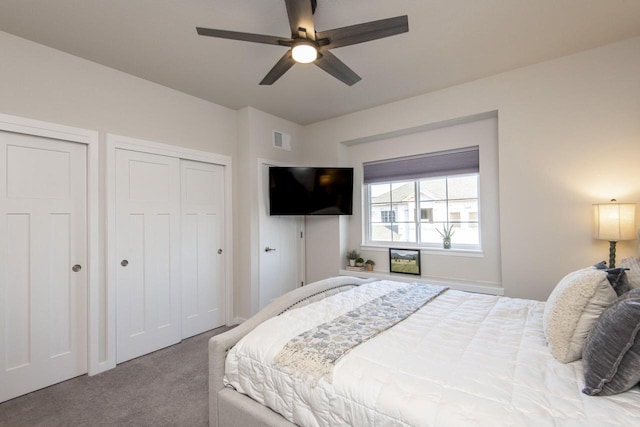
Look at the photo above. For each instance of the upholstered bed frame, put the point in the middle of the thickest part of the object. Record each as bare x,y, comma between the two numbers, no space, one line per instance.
230,408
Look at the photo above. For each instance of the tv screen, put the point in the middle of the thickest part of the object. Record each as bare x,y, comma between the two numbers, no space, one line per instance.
310,191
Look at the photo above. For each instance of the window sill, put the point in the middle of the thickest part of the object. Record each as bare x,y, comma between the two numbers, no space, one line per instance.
460,285
469,253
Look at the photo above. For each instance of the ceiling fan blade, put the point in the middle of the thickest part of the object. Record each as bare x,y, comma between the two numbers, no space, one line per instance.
279,69
247,37
300,13
338,69
360,33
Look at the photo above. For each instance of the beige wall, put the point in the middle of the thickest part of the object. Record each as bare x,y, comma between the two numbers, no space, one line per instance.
568,137
40,83
45,84
469,268
255,143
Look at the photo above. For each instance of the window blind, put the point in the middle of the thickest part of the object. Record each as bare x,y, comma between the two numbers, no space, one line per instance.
450,162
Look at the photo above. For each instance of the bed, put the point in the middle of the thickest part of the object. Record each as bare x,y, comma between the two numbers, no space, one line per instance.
459,359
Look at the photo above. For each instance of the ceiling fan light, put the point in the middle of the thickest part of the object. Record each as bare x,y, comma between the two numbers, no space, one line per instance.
304,52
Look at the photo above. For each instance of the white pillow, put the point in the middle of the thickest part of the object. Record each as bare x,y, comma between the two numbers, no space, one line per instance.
633,274
572,309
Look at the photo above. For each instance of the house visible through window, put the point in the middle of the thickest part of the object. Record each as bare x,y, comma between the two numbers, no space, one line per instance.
415,206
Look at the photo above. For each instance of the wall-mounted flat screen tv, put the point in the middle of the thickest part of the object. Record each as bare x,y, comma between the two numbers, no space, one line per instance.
310,191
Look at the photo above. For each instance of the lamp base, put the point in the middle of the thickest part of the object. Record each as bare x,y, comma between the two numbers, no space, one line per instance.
612,254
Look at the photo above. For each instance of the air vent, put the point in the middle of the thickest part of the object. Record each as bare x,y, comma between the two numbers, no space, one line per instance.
281,140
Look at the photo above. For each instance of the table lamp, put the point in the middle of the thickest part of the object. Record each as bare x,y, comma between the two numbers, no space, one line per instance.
614,222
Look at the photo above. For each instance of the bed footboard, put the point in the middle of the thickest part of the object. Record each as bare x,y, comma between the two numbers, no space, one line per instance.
220,344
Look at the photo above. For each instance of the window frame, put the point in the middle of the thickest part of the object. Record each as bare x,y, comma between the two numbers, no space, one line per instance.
367,225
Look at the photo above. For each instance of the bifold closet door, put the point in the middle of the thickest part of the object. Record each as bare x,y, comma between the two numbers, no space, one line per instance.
43,256
148,252
202,247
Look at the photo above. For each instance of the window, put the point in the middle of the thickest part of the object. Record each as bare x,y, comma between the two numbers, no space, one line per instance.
415,210
388,216
426,214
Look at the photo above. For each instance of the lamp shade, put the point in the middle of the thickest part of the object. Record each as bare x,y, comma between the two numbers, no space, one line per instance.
614,221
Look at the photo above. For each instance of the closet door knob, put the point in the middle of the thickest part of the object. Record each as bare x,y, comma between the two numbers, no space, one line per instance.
124,263
76,268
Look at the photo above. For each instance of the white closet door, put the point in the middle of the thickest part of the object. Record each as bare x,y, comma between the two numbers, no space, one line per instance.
43,255
148,253
202,247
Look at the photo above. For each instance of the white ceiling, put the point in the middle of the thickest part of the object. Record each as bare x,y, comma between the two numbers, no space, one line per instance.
449,42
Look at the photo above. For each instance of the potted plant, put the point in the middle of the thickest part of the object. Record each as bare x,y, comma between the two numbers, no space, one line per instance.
446,234
370,263
352,256
359,261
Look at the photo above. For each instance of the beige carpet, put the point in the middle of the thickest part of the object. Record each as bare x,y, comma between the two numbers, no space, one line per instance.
165,388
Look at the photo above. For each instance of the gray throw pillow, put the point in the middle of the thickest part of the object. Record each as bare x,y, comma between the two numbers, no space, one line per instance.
633,274
611,354
617,277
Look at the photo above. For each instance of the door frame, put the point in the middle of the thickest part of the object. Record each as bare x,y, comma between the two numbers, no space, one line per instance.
262,162
115,142
96,363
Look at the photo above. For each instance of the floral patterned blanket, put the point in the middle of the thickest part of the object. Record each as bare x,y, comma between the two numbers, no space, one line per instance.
316,351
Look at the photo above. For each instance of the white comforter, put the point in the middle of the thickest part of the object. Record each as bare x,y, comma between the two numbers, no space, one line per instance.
462,360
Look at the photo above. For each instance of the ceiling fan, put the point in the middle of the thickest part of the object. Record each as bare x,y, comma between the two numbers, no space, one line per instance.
307,45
